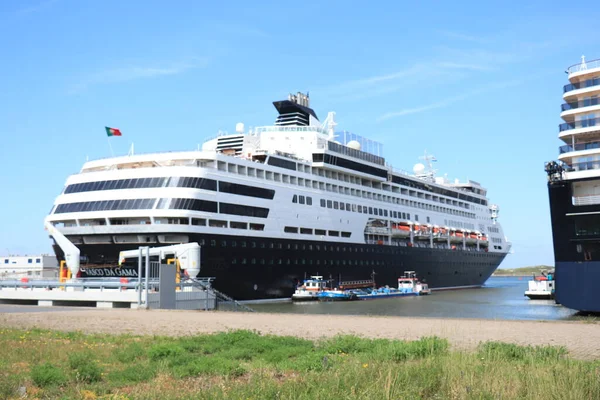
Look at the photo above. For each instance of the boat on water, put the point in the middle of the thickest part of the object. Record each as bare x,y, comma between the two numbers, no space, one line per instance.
310,289
337,295
269,202
408,285
573,191
541,287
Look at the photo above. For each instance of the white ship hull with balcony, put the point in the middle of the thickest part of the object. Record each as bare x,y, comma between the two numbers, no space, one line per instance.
273,204
574,191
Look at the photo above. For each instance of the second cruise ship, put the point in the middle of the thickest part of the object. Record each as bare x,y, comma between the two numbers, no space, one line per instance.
273,204
574,191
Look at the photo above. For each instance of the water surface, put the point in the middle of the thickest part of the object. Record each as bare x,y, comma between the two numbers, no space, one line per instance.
499,298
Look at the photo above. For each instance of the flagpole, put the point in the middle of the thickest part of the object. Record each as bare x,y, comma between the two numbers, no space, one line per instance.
110,146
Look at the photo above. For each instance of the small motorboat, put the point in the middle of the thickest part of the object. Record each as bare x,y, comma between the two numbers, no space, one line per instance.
541,287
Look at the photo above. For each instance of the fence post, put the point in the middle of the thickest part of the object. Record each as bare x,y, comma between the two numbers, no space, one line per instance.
140,278
147,275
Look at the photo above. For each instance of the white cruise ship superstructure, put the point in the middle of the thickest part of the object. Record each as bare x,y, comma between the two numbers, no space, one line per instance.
274,204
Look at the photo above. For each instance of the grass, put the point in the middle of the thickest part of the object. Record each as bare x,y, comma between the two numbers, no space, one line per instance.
247,365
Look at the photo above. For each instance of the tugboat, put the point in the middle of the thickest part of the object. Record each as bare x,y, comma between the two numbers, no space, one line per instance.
409,283
541,287
310,289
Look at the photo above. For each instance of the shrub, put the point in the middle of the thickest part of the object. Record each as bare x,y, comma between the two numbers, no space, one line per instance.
130,353
164,350
87,370
46,374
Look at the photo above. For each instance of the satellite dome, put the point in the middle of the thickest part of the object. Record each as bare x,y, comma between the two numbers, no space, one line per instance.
239,127
419,168
353,144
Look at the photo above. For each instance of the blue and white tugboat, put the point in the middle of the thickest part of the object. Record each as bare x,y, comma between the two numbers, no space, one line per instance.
408,285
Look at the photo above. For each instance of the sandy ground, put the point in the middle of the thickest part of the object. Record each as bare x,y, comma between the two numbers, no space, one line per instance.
580,338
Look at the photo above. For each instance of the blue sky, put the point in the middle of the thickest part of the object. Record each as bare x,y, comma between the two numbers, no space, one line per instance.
477,84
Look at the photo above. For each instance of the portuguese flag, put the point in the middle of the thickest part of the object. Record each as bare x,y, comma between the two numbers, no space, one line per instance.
112,131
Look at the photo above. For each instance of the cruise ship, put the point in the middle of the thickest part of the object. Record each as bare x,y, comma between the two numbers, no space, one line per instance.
271,205
574,191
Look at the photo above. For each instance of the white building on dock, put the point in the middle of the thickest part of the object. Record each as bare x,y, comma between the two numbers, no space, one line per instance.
33,266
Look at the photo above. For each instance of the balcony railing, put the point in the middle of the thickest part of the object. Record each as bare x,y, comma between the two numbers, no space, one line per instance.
578,147
578,104
584,123
581,85
584,66
584,166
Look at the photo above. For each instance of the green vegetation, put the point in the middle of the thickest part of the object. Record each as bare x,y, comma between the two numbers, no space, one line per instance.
524,271
247,365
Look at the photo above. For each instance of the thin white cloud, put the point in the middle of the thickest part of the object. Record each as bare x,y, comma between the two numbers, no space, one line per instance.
464,37
238,29
35,7
447,102
130,73
396,81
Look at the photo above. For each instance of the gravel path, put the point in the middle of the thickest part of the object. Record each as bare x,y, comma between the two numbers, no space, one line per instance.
580,338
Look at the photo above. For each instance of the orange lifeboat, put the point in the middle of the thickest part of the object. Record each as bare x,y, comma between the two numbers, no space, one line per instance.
400,229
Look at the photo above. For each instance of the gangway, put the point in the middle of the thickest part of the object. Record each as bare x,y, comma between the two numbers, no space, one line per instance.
205,284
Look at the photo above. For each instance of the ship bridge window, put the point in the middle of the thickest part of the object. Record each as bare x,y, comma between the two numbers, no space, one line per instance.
199,221
290,229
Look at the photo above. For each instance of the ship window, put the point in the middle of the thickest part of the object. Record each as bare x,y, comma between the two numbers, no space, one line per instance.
334,233
238,225
295,199
370,210
302,200
306,231
238,209
199,221
336,205
360,209
322,202
217,223
342,206
257,227
309,201
346,234
320,232
329,204
290,229
213,243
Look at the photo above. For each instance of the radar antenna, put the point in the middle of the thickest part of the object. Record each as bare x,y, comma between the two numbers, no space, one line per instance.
430,172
